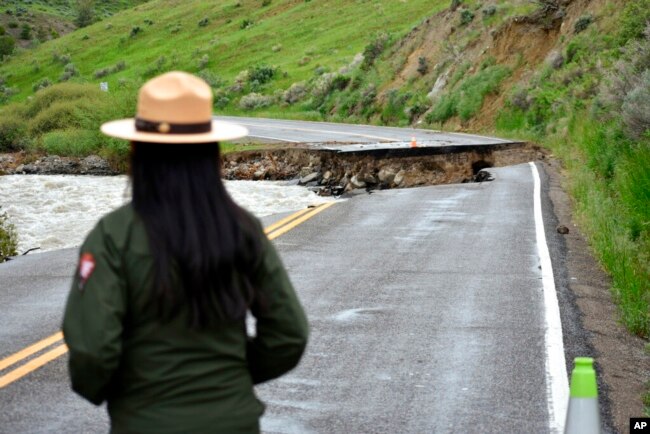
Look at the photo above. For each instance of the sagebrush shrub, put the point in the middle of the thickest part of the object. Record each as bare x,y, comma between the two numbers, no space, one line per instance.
582,23
254,101
636,108
295,93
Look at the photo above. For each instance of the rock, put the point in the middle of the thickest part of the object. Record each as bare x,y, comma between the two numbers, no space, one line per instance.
327,175
259,174
367,178
95,165
20,168
399,177
386,175
356,182
561,229
309,178
305,171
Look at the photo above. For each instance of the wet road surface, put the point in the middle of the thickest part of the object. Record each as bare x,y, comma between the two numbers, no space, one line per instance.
426,310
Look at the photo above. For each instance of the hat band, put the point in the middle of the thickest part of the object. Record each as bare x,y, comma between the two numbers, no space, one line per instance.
169,128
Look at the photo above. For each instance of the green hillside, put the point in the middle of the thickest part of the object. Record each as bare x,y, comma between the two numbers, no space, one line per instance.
224,37
572,75
35,21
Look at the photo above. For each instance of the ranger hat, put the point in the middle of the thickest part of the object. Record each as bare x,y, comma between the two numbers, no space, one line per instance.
175,107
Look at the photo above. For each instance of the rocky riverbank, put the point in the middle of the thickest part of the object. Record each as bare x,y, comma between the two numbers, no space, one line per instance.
22,164
326,172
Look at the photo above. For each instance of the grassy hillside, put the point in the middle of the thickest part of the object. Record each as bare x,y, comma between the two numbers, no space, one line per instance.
35,21
573,75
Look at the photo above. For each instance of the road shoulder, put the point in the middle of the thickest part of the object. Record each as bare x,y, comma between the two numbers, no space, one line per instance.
589,316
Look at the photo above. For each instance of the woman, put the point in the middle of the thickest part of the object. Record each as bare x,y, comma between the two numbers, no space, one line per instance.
155,319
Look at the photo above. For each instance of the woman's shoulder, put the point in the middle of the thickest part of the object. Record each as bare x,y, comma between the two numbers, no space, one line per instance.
116,226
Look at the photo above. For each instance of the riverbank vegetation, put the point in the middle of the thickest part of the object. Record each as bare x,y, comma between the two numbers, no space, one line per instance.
8,238
572,76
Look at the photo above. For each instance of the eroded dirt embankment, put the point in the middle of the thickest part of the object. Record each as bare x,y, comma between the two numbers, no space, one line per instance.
332,172
327,172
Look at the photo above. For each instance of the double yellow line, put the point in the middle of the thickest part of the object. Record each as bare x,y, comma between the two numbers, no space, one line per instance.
57,348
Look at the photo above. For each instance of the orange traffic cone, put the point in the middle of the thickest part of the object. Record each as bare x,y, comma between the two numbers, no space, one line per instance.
414,144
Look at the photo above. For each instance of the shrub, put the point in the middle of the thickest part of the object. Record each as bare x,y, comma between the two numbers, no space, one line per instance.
204,22
60,115
69,71
85,13
261,73
148,22
63,59
422,65
489,11
2,31
340,82
373,50
134,31
211,78
582,23
7,45
295,93
13,25
221,101
455,4
60,93
266,3
254,101
246,23
12,132
71,142
466,17
203,61
42,84
26,32
8,238
636,108
635,17
100,73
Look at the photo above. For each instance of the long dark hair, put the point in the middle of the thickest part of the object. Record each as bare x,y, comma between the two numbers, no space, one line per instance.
203,244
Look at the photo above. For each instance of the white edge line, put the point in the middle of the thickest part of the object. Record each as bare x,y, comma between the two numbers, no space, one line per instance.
557,382
273,138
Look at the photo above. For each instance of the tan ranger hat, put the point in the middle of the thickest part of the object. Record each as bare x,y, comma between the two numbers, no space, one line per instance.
175,107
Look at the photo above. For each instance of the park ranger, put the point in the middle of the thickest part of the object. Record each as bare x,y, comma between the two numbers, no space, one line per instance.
155,319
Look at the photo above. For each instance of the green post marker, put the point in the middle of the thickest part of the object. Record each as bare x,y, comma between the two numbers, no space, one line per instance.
583,415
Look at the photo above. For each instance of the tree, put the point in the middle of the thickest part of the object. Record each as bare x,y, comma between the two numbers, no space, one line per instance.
7,45
85,13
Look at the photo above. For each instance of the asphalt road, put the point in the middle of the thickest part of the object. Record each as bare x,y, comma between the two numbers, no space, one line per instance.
426,309
277,130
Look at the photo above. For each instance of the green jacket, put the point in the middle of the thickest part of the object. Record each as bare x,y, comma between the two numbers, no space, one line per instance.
164,377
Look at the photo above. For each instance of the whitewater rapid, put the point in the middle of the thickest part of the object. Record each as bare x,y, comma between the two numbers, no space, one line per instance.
57,211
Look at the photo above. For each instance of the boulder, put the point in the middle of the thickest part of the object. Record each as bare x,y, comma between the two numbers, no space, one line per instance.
309,178
399,177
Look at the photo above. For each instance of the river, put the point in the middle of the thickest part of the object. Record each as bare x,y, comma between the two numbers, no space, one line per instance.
57,211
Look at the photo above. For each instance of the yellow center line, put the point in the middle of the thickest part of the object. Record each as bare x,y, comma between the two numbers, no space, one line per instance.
38,346
32,365
273,231
286,220
293,224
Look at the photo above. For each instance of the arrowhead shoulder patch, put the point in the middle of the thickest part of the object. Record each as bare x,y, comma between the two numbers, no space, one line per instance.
86,268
